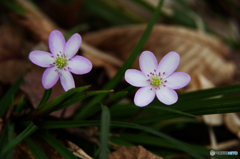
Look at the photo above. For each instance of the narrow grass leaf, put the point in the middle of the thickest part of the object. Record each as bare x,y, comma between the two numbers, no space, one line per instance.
55,105
115,97
5,101
159,142
207,93
13,6
64,124
28,131
199,107
85,110
45,98
111,15
6,138
104,136
20,105
35,149
78,28
58,146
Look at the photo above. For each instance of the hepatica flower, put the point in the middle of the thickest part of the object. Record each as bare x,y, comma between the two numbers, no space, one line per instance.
61,61
157,79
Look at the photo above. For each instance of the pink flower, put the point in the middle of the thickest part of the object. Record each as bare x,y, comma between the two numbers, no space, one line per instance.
61,61
159,79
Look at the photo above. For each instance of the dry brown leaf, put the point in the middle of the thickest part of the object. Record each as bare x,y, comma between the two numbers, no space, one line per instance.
199,82
200,53
32,86
132,153
77,151
232,122
12,59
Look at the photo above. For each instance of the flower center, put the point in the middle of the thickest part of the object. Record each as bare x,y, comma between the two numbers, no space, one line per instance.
61,62
156,80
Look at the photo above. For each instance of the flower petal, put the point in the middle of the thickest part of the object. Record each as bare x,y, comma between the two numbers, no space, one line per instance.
168,64
148,62
72,45
50,77
66,79
136,78
41,58
144,96
167,95
56,42
177,80
79,65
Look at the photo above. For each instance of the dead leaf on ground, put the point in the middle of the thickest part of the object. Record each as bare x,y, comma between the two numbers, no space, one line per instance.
32,86
12,59
132,153
200,53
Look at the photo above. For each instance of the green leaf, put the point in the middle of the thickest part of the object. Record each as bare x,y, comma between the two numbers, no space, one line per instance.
6,138
64,124
207,93
67,99
20,105
28,131
45,98
198,107
86,110
13,6
158,142
107,13
104,136
35,149
120,109
116,97
78,28
6,99
58,146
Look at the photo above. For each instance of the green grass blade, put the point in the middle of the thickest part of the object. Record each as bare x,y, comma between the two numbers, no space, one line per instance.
104,136
5,101
121,109
207,93
20,105
111,15
78,28
28,131
55,105
6,138
58,146
115,97
35,149
13,6
45,98
86,110
158,142
64,124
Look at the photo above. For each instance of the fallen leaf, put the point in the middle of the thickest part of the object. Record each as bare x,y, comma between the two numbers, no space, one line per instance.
12,58
132,153
200,53
32,86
